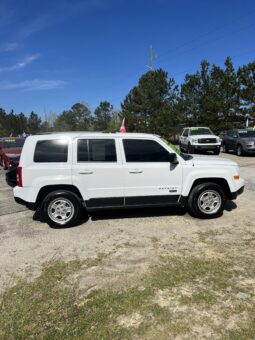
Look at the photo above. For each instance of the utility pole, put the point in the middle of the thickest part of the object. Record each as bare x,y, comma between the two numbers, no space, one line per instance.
150,66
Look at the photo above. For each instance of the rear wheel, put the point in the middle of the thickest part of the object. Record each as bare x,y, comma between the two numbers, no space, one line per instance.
61,209
207,200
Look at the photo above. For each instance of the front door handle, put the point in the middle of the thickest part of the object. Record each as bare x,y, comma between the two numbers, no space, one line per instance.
135,171
86,172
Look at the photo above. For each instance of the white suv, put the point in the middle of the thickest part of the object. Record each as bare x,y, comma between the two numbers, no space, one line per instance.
64,173
197,139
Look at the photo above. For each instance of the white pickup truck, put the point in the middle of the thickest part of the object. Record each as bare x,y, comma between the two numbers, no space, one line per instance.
63,174
199,139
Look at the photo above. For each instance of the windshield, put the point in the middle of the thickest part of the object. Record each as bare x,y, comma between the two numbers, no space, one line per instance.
200,131
246,133
13,143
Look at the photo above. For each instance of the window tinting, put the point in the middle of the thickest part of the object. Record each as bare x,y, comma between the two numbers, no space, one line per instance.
49,151
96,150
83,155
144,151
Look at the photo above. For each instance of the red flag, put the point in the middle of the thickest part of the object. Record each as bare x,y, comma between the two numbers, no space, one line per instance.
122,128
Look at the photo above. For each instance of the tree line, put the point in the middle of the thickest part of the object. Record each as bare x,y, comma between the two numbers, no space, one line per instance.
214,96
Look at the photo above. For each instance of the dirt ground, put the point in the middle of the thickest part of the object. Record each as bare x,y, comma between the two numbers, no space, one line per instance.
135,236
129,241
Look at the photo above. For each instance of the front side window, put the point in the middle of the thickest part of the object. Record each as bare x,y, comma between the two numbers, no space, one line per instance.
96,150
51,151
185,133
138,150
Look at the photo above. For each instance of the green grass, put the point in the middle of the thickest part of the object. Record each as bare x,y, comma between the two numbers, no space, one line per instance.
50,307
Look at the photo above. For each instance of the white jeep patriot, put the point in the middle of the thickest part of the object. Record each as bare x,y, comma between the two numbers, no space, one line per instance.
64,173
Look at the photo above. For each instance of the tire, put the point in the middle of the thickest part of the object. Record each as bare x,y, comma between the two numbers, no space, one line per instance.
217,152
197,201
239,150
61,209
5,166
190,149
224,148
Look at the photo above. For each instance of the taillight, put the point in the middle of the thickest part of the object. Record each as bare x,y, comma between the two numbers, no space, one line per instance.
19,176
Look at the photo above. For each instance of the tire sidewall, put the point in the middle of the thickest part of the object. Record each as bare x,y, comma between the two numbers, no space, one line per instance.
61,194
195,194
224,148
239,147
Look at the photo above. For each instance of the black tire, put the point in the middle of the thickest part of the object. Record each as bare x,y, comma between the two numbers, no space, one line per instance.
239,150
190,149
63,200
200,194
216,152
224,148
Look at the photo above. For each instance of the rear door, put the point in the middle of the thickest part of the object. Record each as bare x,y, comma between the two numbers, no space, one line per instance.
97,171
149,176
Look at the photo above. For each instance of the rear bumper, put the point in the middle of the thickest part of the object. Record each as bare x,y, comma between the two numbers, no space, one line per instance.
29,205
237,193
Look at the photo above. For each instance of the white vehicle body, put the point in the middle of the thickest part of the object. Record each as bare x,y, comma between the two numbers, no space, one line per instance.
193,142
118,182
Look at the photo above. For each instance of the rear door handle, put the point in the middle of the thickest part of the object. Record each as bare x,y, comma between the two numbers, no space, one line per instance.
86,172
135,171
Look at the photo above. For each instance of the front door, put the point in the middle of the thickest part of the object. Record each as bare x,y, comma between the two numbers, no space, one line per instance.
97,172
149,177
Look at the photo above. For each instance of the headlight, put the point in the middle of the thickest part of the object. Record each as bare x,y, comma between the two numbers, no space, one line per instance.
195,140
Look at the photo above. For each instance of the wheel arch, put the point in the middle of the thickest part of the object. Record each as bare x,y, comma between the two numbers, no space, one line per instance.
44,191
222,182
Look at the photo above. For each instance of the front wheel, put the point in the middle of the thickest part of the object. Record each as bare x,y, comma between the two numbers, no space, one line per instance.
61,209
224,148
207,200
239,150
190,149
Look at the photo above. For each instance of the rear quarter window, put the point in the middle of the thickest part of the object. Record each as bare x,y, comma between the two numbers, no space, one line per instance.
51,151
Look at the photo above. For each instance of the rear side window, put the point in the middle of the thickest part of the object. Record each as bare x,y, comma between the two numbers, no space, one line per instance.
96,150
138,150
49,151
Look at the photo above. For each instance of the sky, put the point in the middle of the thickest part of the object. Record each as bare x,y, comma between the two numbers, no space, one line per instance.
54,54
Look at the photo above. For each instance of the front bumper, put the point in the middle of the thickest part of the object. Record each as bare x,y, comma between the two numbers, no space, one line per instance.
237,193
206,147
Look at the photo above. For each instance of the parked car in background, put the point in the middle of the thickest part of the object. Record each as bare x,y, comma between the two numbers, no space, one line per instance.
10,150
11,177
241,141
199,139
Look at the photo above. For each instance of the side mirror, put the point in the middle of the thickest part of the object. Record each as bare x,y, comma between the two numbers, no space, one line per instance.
173,159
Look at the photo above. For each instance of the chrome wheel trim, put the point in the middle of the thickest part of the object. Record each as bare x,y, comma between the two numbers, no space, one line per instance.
61,210
209,202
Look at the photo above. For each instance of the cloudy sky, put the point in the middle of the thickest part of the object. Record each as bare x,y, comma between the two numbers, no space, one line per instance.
56,53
